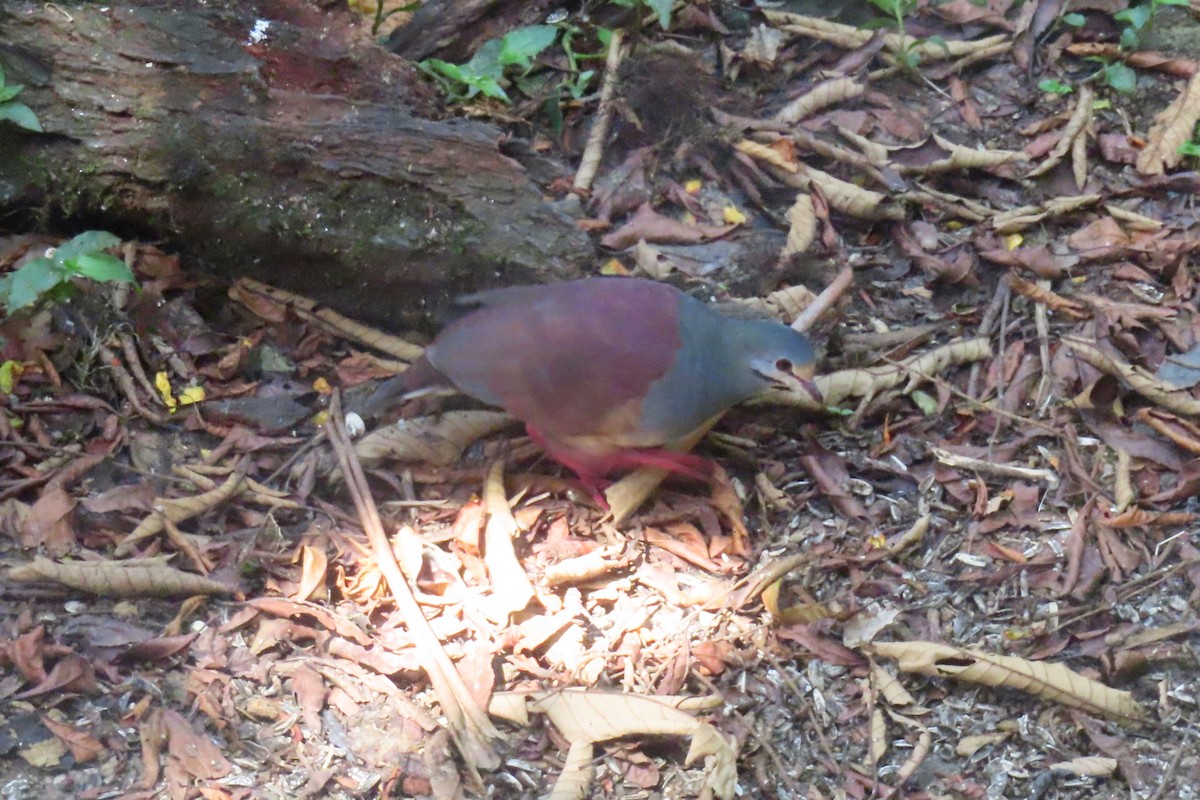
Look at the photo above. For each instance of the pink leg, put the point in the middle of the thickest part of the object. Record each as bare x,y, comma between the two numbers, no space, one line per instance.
686,464
592,468
582,465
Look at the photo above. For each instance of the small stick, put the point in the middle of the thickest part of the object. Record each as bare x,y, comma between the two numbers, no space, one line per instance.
594,150
836,288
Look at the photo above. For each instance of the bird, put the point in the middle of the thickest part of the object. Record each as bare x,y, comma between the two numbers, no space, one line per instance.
607,373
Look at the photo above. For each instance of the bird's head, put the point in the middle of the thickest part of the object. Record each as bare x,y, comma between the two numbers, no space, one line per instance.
782,358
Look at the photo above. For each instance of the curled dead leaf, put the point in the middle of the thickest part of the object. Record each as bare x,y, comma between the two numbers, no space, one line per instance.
1172,127
584,717
1053,682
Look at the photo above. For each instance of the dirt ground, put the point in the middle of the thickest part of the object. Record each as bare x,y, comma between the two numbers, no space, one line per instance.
972,571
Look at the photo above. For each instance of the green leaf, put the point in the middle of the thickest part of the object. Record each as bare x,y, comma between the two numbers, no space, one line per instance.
489,87
940,42
925,402
31,280
9,92
1121,78
889,7
435,66
519,46
1074,20
1054,86
1129,38
1190,149
20,114
1,76
1157,3
485,62
662,10
86,242
604,35
878,23
101,267
577,87
1136,17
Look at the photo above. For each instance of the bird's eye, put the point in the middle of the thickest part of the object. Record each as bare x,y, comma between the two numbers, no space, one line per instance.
783,365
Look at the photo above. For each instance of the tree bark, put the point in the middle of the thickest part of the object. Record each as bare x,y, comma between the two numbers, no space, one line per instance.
301,158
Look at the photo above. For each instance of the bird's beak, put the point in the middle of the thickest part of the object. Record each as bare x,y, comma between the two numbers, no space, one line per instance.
804,376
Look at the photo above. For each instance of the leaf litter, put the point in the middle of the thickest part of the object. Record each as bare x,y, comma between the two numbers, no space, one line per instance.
996,488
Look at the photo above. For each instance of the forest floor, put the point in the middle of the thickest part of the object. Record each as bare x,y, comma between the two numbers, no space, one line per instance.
975,573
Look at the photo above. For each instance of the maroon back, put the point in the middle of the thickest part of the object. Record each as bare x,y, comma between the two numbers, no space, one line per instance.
572,359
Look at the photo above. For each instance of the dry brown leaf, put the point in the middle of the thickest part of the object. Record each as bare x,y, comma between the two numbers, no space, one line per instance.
1088,766
848,198
1132,219
961,158
786,303
766,154
879,737
626,495
1052,682
796,614
850,38
822,95
968,50
584,717
890,689
1183,433
191,750
840,194
920,749
845,36
648,225
1052,301
179,509
588,566
969,745
84,747
652,261
1079,162
802,226
1025,216
246,288
136,578
511,589
1180,401
1172,127
837,387
438,440
314,565
1076,126
876,153
1123,491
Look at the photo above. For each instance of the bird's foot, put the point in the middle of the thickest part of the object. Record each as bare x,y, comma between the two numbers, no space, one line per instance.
687,464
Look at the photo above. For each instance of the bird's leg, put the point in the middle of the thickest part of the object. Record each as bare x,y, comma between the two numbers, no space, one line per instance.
593,481
687,464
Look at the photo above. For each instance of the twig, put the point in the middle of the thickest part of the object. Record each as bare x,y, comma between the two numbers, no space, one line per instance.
985,328
595,144
1166,779
836,288
466,720
1042,323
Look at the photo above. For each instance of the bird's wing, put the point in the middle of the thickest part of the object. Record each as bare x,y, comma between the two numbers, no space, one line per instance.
572,359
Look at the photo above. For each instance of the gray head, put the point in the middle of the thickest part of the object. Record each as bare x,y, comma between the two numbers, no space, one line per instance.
775,354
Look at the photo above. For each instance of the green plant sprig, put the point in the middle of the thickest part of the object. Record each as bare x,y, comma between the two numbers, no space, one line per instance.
50,276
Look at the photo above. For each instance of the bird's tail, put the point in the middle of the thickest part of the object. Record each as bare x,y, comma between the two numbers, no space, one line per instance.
422,378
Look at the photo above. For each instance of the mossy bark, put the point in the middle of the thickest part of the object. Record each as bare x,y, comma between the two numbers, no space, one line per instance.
301,159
